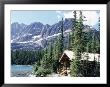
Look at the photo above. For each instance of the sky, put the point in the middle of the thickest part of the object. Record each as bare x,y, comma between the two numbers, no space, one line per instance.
52,17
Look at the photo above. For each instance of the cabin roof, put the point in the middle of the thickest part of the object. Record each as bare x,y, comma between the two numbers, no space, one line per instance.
70,55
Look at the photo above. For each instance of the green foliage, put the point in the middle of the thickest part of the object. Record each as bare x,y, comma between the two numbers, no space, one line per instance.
35,67
90,68
55,56
42,72
93,44
75,65
21,57
51,54
77,49
46,63
61,39
70,39
84,42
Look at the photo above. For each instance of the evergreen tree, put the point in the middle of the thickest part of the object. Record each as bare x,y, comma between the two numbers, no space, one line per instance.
58,49
85,62
73,29
46,64
56,55
61,45
98,39
49,56
44,59
69,45
75,65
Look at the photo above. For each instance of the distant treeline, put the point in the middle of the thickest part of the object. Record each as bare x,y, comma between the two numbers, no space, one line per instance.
21,57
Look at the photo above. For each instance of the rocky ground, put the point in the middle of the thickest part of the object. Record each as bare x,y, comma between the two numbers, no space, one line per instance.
57,75
29,74
21,74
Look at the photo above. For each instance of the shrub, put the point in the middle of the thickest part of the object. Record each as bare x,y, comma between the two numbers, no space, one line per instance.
35,67
42,72
75,67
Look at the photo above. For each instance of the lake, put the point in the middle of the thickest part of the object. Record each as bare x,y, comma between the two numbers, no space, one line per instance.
21,70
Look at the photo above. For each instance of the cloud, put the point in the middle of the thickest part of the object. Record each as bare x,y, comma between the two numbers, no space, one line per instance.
91,16
59,12
68,15
64,14
58,16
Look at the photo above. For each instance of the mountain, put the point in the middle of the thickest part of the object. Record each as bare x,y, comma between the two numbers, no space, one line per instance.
36,35
96,26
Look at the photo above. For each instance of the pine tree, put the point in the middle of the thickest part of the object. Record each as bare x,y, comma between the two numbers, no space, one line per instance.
75,65
56,54
73,29
49,56
44,59
98,38
13,57
61,45
58,48
69,45
86,63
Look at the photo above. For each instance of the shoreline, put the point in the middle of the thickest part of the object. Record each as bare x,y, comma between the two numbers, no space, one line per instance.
21,70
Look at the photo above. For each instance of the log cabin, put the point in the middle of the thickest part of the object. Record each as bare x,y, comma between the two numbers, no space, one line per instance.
67,56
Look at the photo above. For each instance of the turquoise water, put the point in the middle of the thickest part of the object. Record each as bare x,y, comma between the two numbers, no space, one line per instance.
21,67
21,70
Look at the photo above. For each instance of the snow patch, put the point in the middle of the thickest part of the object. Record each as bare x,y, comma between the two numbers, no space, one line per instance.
34,37
67,31
11,41
25,42
53,36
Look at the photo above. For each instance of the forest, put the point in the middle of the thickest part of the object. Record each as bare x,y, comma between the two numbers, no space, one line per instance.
46,60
